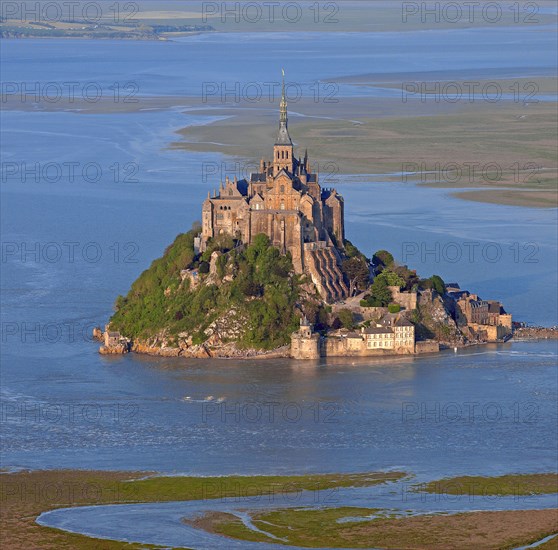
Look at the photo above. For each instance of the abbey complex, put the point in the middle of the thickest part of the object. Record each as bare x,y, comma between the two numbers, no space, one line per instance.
285,201
210,298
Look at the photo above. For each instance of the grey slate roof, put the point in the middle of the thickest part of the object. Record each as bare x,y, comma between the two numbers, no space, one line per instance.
402,322
378,330
283,137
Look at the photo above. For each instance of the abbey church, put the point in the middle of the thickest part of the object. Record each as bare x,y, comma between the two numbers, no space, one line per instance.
285,201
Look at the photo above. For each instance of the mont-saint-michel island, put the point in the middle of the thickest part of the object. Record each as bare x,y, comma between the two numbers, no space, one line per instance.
247,308
270,272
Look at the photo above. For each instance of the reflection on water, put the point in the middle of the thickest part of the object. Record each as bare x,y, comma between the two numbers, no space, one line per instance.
472,412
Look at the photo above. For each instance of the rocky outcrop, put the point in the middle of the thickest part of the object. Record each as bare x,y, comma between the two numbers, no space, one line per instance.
433,320
535,333
120,349
184,350
203,351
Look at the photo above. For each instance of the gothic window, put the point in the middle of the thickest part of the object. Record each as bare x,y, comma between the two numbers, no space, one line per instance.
282,188
282,206
230,192
287,154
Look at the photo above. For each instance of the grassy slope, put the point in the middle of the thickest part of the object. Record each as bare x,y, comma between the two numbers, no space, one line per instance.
264,292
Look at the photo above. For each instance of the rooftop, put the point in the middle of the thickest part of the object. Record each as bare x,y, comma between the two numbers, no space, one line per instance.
378,330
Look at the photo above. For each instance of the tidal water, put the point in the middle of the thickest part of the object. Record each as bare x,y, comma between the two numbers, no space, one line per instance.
162,523
72,243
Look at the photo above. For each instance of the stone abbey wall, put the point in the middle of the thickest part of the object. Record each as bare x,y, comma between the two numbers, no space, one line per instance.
284,201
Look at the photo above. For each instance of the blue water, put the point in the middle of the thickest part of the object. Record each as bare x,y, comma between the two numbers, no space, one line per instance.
181,67
63,405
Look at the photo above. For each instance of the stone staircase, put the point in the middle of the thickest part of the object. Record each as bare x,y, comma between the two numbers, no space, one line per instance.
323,268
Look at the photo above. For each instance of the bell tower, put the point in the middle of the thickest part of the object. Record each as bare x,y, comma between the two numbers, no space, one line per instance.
283,149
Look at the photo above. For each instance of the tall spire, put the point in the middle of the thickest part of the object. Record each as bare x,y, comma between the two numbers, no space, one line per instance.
283,116
283,137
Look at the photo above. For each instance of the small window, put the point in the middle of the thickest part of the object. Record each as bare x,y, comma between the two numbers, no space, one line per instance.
282,188
282,206
230,192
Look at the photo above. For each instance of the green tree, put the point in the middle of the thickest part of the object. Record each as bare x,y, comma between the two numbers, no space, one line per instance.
345,316
351,250
380,294
435,283
438,284
204,267
357,272
382,259
409,276
391,278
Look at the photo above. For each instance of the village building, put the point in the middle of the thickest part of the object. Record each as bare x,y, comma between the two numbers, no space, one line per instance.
482,319
392,335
